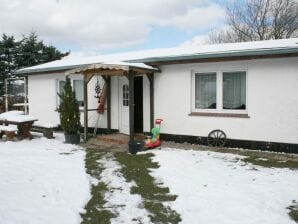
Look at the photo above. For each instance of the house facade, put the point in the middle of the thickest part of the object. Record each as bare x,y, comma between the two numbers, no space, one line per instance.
247,90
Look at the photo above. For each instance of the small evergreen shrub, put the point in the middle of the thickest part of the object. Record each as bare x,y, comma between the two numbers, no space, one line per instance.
69,110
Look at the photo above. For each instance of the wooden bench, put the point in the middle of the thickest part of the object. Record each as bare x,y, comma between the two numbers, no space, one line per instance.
9,131
45,128
24,128
22,121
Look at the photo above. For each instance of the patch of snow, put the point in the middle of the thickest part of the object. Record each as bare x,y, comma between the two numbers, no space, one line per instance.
137,65
8,128
127,206
11,113
261,159
283,161
42,181
16,116
217,188
170,52
45,124
113,65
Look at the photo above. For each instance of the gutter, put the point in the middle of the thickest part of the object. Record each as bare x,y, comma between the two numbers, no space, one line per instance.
217,55
39,70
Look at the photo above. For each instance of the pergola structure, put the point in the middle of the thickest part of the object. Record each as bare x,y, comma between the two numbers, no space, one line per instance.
106,70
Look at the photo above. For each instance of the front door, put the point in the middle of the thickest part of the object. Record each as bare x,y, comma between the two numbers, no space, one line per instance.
123,105
138,101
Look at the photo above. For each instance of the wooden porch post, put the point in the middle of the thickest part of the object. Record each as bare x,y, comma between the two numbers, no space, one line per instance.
131,105
151,80
108,88
85,108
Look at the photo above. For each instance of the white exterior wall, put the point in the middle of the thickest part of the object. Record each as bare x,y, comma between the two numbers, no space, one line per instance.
42,97
272,95
43,100
272,100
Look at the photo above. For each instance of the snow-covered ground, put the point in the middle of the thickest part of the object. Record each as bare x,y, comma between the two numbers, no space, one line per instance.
42,181
215,188
127,206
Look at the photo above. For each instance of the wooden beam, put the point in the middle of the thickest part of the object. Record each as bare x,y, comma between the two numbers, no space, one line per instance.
151,81
88,77
108,86
85,108
104,72
105,78
131,105
126,74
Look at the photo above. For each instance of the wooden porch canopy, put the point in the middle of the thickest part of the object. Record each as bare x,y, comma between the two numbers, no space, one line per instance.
106,70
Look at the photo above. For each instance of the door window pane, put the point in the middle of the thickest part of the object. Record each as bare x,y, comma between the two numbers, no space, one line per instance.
234,90
125,95
205,91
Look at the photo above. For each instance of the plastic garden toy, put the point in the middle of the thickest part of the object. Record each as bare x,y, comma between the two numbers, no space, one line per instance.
154,140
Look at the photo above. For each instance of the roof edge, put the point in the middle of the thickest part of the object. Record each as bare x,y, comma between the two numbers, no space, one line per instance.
219,55
40,70
261,52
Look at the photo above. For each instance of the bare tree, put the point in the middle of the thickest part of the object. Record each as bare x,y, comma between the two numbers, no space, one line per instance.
252,20
222,36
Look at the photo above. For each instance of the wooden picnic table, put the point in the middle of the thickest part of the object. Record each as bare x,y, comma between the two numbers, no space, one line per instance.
24,127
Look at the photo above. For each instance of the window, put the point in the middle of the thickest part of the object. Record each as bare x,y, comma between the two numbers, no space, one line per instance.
60,84
234,90
125,90
205,91
78,89
219,92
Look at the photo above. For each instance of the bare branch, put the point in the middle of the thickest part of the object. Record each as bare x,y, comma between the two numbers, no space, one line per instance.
259,20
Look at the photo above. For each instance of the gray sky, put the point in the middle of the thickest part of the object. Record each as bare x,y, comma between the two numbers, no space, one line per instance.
111,25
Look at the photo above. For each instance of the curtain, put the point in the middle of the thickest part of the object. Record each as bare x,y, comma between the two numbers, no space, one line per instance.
78,88
234,90
61,86
205,91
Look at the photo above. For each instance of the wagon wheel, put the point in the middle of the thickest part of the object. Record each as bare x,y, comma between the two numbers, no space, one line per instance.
217,138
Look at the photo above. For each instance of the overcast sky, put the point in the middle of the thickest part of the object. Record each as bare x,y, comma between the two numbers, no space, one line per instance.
112,25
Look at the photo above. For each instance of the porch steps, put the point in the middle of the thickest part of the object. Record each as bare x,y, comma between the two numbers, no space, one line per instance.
115,142
114,138
120,138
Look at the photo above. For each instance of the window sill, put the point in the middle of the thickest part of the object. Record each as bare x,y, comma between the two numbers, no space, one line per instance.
214,114
81,109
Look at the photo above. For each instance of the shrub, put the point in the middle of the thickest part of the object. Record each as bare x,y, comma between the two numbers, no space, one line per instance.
69,110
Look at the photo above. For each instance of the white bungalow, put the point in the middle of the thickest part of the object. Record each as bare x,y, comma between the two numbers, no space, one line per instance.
247,90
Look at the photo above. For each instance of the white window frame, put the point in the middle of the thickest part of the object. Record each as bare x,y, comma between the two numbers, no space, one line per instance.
219,91
72,86
246,91
193,94
57,91
127,92
58,88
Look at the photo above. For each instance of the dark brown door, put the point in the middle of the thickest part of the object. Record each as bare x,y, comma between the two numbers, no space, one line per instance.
138,110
